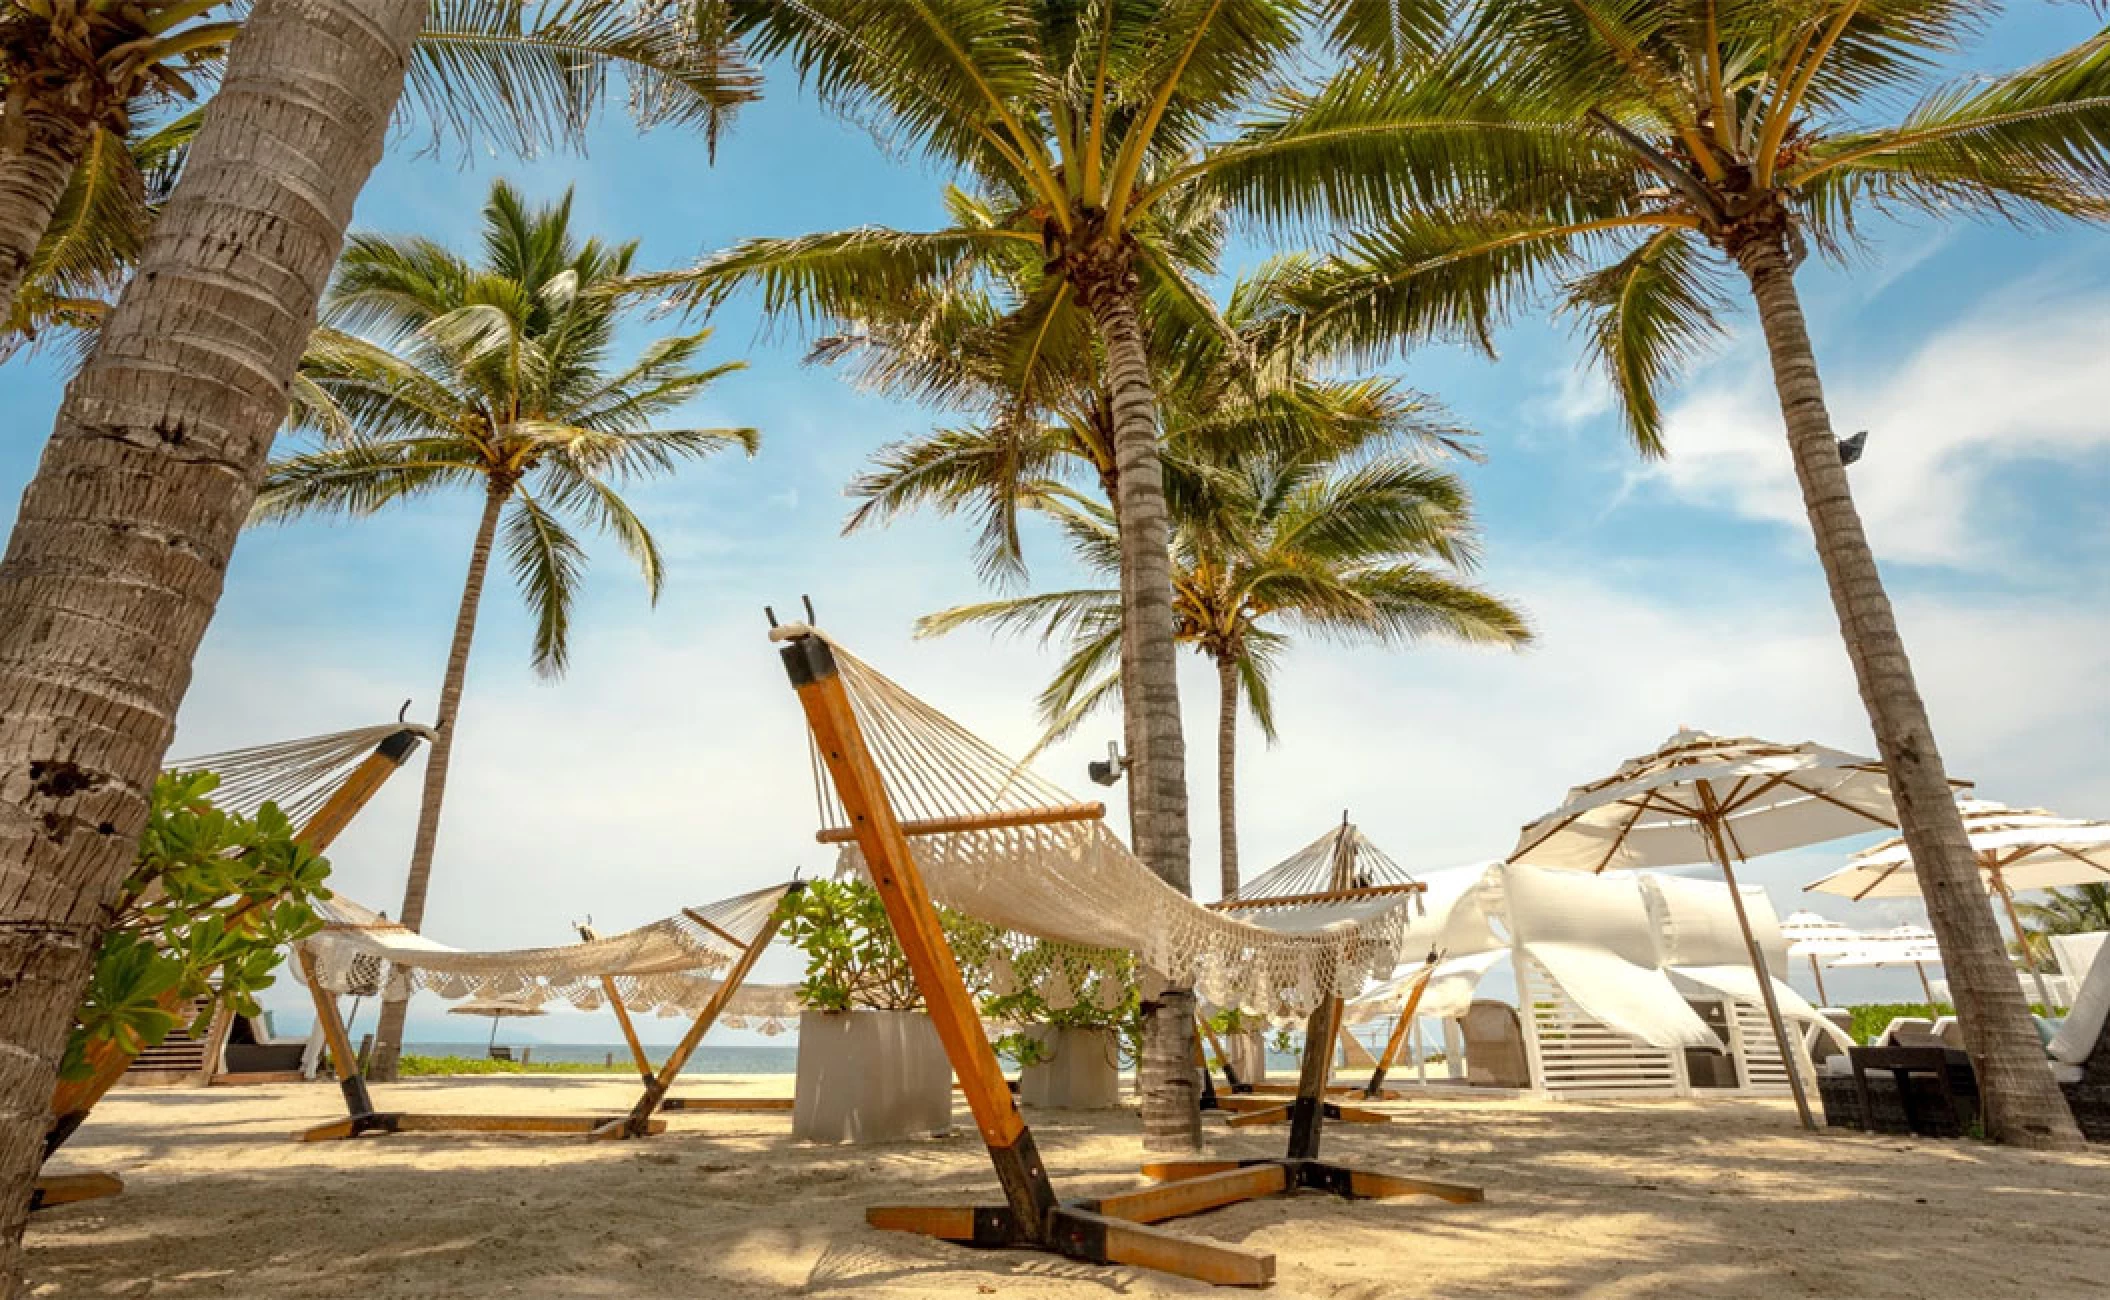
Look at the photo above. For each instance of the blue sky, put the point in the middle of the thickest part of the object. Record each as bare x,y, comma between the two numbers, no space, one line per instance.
669,767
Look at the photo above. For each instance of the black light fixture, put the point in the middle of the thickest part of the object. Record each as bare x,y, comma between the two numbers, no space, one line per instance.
1107,771
1850,449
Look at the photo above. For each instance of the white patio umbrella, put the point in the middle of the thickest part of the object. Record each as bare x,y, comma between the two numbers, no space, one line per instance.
1907,945
2017,848
1719,799
496,1008
1813,936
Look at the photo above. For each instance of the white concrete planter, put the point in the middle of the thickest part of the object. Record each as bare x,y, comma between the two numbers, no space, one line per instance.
870,1076
1083,1072
1248,1055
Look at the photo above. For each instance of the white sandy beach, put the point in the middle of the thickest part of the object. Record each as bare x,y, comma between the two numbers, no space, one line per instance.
1663,1199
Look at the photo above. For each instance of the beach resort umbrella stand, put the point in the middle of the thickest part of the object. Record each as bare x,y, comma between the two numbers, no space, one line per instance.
1706,798
1812,936
497,1009
2016,848
1908,945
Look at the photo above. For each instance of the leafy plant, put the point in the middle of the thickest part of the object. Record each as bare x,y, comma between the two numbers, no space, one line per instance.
211,899
853,961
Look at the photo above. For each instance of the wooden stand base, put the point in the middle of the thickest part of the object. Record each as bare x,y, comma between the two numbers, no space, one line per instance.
726,1103
1249,1111
1318,1176
403,1122
65,1189
1114,1229
1094,1232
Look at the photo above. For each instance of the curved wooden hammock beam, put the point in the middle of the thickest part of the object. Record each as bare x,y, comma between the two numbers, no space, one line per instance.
1110,1230
333,810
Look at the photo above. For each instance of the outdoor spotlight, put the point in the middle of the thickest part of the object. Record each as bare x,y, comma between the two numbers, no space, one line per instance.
1108,770
1850,449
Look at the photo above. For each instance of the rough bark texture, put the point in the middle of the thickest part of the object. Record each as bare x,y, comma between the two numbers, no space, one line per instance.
33,177
1157,771
388,1034
122,541
2022,1103
1227,771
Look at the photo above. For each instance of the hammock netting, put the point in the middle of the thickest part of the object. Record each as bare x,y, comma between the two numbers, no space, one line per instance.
669,968
1072,884
297,775
1343,858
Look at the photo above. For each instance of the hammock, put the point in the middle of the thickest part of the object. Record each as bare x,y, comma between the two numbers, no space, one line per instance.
297,775
1312,869
667,967
1004,846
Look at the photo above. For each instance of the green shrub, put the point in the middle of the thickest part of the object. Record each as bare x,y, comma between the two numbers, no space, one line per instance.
212,899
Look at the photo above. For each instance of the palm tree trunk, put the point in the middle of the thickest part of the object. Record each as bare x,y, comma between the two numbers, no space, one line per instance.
123,537
388,1034
2023,1105
1227,770
1157,773
32,180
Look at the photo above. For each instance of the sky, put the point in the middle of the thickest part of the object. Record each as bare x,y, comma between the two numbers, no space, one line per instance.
668,767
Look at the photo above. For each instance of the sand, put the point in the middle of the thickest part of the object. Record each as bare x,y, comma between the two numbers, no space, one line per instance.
1663,1199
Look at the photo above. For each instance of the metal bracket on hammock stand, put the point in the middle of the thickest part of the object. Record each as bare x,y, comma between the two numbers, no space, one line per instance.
1109,1230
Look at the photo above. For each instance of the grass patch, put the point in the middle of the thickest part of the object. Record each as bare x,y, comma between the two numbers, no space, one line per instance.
409,1066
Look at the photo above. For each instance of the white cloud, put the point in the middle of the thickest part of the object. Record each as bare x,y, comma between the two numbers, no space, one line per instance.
2018,377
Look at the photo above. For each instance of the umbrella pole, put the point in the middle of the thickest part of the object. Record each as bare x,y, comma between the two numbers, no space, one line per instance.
1817,973
1925,987
2029,963
494,1035
1789,1057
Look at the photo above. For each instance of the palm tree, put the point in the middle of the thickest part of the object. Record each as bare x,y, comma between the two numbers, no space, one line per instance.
124,534
1079,124
1668,139
1348,547
80,75
492,375
1225,413
2083,909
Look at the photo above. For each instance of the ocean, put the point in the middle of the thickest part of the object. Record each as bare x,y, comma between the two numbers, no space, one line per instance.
707,1060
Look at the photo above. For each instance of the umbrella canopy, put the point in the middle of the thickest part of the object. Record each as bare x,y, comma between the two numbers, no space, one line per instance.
1700,797
1811,935
2024,848
1654,810
496,1008
2016,848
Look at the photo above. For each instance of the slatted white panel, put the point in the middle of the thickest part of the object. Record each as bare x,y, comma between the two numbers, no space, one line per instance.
1757,1055
1576,1056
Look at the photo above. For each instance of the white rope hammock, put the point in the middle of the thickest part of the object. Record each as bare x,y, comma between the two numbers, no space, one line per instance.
1073,882
667,967
297,775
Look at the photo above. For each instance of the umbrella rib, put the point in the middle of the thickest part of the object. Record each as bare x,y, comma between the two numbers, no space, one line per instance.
1839,803
1620,839
1729,808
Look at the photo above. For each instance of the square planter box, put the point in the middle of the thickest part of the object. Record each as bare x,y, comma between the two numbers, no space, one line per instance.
1083,1072
870,1076
1248,1055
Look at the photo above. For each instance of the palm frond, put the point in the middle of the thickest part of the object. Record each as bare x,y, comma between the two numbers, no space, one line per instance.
548,563
532,75
1646,316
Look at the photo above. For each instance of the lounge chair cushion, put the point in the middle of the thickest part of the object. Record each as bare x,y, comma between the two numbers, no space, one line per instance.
2077,1038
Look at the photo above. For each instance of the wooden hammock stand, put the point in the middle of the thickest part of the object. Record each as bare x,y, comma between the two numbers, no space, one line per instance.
1110,1230
362,1118
72,1101
649,1073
